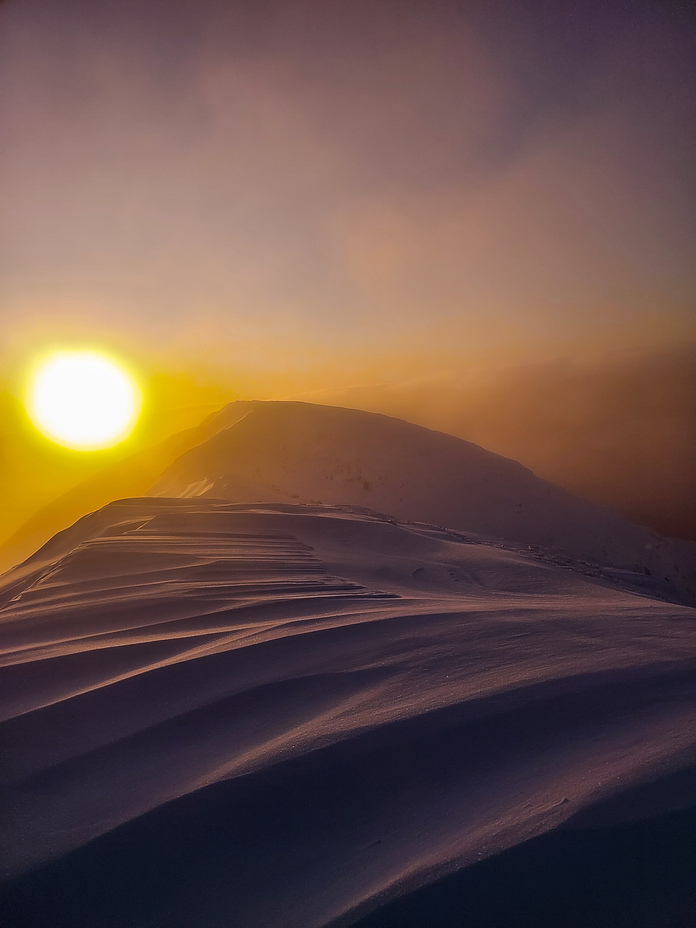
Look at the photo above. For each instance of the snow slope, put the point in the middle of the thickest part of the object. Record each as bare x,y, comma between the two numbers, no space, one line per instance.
283,716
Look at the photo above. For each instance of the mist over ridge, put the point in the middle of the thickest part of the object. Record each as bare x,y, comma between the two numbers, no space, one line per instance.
619,427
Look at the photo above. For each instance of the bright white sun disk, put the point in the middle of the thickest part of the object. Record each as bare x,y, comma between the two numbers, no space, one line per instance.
83,400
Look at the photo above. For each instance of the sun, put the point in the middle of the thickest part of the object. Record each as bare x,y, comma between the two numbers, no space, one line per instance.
83,400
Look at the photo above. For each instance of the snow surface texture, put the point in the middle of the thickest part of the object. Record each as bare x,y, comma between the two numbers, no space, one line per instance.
283,716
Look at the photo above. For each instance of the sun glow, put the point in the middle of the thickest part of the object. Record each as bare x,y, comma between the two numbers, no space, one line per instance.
83,400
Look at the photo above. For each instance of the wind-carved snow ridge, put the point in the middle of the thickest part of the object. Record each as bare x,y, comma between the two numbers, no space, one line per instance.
283,715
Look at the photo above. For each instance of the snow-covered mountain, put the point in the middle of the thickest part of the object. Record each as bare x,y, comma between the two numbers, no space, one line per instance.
300,452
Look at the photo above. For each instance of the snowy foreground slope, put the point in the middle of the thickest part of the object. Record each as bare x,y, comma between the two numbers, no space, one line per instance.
285,716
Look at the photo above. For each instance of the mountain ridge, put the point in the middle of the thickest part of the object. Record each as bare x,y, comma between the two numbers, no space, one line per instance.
290,451
302,452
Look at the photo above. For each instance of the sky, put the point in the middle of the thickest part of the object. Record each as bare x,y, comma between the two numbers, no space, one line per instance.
259,199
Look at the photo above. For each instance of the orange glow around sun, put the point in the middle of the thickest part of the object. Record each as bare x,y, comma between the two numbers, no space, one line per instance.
83,400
